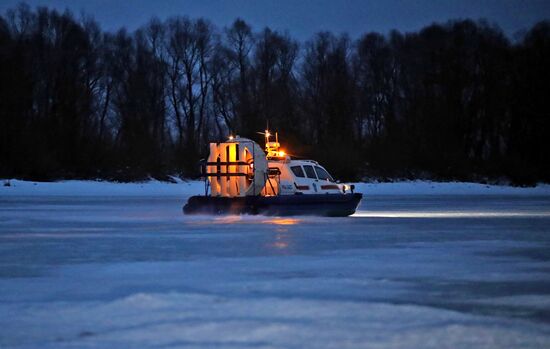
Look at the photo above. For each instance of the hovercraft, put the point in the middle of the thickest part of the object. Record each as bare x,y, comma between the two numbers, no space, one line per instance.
240,178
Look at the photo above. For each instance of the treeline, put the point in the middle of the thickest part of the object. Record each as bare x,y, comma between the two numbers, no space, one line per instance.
452,101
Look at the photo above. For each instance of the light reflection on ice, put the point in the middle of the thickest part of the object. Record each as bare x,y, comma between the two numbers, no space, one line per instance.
282,242
241,219
282,221
449,214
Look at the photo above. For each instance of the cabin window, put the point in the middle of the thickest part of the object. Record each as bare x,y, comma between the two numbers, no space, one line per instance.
298,172
310,173
323,174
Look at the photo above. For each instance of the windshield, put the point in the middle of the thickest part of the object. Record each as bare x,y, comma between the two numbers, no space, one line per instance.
310,173
323,174
298,172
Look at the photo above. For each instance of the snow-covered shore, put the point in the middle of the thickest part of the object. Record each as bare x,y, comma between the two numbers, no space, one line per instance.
100,188
187,188
448,188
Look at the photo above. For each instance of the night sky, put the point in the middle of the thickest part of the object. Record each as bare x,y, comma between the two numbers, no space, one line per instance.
302,18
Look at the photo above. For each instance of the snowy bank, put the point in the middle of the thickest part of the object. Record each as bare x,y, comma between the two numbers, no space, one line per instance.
447,188
188,188
100,188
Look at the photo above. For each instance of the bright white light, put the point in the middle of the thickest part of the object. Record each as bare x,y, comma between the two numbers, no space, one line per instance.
448,214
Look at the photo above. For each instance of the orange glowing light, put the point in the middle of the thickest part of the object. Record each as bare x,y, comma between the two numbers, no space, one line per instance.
227,219
280,244
282,221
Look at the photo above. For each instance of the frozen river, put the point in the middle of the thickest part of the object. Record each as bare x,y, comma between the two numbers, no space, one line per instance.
407,271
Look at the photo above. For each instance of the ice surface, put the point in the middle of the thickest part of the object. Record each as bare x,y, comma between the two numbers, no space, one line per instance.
421,265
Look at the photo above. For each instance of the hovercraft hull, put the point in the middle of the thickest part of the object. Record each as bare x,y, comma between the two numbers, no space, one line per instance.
332,205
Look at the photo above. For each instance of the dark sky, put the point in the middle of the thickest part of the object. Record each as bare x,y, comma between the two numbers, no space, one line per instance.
302,18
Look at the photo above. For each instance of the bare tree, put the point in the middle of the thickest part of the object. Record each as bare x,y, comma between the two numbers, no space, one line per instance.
275,85
189,47
240,42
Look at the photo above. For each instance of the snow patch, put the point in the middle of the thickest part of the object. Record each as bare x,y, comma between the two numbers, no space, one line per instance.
101,188
447,188
175,320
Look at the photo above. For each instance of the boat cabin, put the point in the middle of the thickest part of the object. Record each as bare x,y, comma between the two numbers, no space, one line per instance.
239,167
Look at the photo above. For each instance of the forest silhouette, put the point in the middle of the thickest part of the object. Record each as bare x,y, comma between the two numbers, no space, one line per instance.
453,101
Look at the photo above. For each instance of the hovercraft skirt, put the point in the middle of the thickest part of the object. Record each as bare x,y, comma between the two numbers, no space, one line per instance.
334,205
